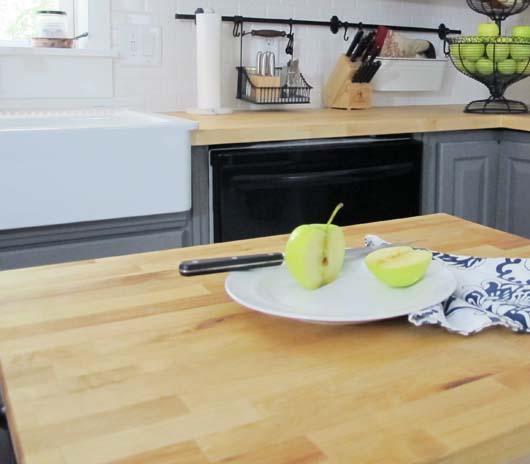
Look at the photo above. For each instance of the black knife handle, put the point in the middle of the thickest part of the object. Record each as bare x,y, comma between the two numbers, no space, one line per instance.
198,267
355,42
363,44
375,67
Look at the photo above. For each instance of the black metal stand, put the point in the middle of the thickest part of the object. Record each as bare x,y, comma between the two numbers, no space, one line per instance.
497,80
499,105
334,24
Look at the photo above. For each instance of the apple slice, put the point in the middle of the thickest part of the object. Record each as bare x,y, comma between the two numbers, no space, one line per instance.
315,253
399,266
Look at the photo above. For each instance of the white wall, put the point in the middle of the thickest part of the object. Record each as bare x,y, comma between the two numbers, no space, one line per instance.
173,84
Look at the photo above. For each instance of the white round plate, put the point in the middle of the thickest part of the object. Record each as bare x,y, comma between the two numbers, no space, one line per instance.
355,297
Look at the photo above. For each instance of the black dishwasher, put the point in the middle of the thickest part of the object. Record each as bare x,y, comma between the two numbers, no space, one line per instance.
270,188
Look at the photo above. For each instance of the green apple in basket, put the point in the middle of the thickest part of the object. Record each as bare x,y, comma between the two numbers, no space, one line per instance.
472,51
315,253
523,67
466,66
485,66
488,30
521,31
399,266
507,67
455,51
520,49
499,50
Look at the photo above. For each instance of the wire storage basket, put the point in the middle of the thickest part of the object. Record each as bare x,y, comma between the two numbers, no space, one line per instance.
496,62
269,90
498,10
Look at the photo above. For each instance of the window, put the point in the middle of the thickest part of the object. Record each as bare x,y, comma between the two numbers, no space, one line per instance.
17,21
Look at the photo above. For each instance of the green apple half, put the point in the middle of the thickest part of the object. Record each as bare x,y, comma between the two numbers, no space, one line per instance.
315,253
399,266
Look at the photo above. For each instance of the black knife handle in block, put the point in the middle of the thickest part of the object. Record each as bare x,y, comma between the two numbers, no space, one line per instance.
267,33
198,267
355,42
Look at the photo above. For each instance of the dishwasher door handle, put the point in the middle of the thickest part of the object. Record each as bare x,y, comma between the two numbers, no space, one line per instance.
272,180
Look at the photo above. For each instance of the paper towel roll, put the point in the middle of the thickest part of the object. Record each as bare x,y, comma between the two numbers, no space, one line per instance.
208,61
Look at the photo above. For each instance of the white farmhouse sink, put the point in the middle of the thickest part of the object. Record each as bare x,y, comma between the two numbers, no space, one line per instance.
76,166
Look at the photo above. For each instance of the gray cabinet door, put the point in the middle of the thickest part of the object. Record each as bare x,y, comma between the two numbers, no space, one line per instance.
513,211
466,184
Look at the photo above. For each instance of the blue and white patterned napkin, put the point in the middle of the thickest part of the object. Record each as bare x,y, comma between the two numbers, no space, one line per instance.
490,292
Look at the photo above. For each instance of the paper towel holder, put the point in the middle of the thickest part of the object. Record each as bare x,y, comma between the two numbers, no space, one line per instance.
213,109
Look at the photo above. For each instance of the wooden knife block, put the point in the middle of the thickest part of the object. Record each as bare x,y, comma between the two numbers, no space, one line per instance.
340,92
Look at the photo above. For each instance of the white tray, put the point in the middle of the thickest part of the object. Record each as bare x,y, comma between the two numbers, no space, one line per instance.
409,75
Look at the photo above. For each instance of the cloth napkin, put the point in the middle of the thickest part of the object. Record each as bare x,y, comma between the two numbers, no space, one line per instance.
490,292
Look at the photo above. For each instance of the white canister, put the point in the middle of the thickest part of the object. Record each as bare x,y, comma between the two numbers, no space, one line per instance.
51,24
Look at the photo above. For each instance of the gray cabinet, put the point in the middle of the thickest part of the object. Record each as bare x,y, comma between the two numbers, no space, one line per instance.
482,176
460,175
513,211
467,180
90,240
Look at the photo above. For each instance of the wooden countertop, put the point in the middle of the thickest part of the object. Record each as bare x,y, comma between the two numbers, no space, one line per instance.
122,360
261,126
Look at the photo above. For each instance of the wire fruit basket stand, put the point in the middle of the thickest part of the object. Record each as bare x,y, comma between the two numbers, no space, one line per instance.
495,61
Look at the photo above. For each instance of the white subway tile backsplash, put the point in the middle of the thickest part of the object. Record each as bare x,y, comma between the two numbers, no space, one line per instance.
172,85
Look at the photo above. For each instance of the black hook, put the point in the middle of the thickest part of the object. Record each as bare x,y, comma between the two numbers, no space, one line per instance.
289,50
238,26
346,27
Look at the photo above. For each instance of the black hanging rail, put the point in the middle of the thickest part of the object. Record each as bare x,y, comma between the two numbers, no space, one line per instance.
334,24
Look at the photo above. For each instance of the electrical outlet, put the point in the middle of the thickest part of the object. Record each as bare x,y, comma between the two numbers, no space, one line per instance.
140,45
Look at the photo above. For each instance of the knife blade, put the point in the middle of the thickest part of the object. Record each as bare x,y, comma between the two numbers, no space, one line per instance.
197,267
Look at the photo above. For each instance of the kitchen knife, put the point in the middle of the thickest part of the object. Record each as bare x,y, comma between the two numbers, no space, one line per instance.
198,267
376,44
355,42
363,45
368,69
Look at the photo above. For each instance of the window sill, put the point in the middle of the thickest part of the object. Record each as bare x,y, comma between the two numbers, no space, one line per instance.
66,52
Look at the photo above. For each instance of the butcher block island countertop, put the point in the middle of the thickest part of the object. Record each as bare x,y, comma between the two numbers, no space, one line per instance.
121,360
262,126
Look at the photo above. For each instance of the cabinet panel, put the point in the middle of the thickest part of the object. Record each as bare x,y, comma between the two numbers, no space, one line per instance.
467,180
89,240
513,214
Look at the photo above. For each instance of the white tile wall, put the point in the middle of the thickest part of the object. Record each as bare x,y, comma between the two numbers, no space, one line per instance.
172,85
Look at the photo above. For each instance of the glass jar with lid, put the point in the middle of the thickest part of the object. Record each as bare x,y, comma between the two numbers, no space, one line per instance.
51,24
